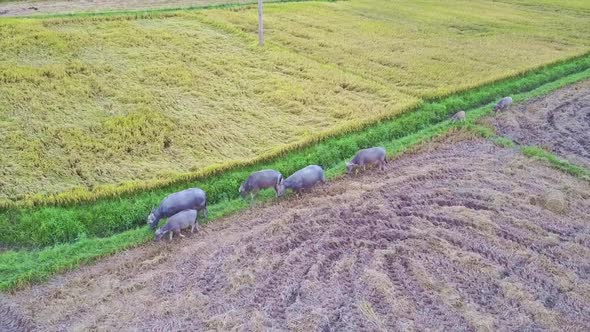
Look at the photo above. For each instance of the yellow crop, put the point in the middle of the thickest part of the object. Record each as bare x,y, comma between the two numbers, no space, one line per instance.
89,101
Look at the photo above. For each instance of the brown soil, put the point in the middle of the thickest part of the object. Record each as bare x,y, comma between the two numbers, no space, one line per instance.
26,8
559,122
11,319
457,237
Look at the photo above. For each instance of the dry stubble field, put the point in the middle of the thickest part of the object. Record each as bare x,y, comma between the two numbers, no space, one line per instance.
459,235
561,123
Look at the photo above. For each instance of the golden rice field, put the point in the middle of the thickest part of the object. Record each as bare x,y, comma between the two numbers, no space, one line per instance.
86,101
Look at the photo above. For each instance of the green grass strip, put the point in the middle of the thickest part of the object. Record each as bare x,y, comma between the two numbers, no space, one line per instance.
21,268
537,153
41,226
534,152
556,162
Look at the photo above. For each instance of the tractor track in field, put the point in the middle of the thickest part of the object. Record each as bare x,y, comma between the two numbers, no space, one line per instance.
460,235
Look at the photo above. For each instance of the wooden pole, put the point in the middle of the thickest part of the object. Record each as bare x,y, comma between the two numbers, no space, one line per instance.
260,28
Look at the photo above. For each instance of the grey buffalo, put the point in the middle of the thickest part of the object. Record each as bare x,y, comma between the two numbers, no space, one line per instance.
370,156
267,178
178,222
503,104
304,178
193,198
459,116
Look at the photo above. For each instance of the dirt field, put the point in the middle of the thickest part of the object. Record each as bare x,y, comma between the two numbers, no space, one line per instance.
460,236
560,122
25,8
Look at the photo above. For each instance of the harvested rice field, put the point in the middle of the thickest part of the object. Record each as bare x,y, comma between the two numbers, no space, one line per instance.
559,122
460,235
87,101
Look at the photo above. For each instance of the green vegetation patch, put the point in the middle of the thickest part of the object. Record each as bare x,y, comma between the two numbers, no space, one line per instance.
20,268
556,162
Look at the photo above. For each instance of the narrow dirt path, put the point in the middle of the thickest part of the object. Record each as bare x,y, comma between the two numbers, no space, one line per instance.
559,122
459,236
26,8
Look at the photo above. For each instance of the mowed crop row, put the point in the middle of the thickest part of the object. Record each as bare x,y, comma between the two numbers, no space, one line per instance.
87,102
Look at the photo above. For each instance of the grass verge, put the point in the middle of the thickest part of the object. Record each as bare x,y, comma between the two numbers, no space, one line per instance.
21,268
556,162
534,152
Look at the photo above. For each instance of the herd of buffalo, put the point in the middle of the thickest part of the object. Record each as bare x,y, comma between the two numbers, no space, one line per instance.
182,208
